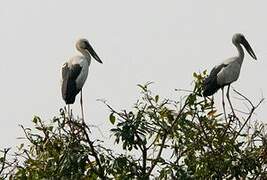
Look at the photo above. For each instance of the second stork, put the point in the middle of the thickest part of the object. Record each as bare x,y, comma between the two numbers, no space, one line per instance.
228,71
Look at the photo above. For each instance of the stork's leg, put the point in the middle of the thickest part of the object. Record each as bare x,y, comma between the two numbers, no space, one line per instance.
223,104
68,111
228,97
81,101
69,117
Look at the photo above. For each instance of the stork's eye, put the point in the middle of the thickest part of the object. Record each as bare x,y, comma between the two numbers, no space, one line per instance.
83,44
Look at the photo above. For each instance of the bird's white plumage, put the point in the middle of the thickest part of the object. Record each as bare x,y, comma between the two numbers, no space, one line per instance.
230,72
84,62
61,72
75,71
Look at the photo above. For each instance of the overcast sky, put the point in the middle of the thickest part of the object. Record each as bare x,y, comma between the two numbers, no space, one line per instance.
138,41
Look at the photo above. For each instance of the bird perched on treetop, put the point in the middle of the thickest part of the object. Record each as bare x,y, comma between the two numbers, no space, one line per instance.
228,71
75,71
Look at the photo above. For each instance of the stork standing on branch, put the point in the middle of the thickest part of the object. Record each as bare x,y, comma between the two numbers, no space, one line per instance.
228,71
75,71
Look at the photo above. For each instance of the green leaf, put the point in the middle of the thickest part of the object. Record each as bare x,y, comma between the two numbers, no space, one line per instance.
21,146
157,98
39,128
112,118
35,118
142,87
50,128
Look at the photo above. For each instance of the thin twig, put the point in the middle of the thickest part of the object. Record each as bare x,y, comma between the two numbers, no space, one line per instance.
250,114
4,160
101,170
154,163
243,97
144,154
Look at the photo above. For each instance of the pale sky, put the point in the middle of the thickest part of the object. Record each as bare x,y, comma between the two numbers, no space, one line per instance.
138,41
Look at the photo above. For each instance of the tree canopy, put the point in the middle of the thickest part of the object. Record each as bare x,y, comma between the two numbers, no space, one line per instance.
161,138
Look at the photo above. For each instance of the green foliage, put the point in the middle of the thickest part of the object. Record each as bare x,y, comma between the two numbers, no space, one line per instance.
161,138
112,118
56,150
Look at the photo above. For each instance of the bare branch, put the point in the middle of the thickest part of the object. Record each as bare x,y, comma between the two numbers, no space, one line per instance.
253,108
4,160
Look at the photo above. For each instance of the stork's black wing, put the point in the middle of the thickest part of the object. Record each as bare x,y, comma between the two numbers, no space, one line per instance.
69,75
210,85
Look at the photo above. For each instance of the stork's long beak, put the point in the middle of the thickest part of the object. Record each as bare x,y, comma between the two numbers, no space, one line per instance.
93,53
248,48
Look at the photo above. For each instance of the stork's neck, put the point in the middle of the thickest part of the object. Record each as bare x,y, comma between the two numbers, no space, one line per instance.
240,53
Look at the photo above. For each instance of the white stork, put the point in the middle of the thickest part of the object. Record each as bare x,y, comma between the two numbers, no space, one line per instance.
75,71
228,71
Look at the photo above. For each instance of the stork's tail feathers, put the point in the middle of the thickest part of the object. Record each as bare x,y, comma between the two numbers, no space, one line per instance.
210,86
69,91
69,99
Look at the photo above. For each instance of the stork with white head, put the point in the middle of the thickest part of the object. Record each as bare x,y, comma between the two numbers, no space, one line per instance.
228,71
75,72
